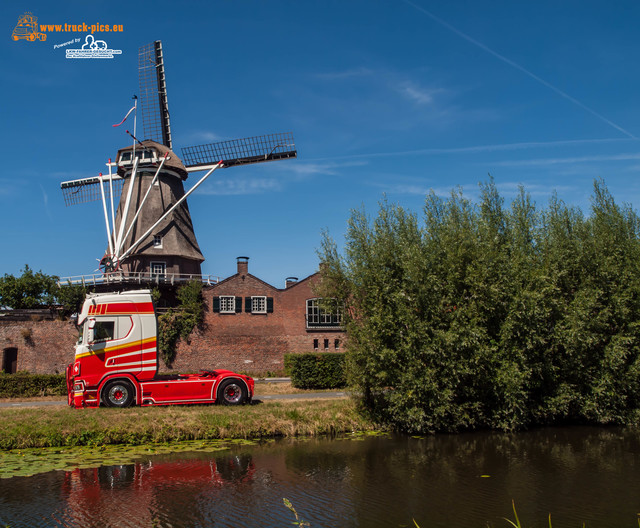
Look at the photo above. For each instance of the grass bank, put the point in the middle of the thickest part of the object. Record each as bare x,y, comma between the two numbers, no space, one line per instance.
62,426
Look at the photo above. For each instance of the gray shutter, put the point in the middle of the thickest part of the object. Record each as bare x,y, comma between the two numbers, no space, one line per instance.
269,304
247,304
216,304
238,304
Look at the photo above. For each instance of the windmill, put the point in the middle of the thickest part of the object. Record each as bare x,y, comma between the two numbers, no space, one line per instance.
151,233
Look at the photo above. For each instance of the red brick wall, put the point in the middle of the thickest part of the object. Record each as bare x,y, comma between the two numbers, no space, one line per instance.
44,347
243,341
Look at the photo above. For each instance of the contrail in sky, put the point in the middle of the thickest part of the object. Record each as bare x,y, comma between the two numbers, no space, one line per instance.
518,67
477,148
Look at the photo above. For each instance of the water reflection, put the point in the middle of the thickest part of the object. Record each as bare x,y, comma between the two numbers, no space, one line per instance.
578,474
152,492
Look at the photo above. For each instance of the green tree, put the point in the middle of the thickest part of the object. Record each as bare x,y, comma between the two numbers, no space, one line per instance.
491,316
70,297
30,290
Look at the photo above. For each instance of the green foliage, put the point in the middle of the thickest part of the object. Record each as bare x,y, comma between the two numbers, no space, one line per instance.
38,290
316,371
491,316
156,295
30,385
30,290
71,297
179,322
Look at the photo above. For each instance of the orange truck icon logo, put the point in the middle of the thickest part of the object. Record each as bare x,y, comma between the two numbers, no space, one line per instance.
27,28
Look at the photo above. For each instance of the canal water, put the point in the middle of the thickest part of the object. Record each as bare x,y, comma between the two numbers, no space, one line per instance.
578,474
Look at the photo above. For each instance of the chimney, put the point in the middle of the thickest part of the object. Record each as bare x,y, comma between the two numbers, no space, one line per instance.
290,281
243,265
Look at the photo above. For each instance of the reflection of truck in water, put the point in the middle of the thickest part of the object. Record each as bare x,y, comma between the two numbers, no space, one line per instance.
27,28
154,491
116,360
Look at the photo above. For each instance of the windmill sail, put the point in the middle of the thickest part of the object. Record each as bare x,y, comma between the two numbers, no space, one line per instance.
88,189
244,151
153,94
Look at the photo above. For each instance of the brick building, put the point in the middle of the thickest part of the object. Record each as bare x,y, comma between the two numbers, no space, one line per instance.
249,325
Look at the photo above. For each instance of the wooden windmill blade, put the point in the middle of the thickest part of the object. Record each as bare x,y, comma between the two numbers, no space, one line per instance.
153,94
257,149
88,189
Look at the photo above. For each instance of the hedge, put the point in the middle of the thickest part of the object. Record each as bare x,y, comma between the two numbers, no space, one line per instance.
316,371
30,385
486,316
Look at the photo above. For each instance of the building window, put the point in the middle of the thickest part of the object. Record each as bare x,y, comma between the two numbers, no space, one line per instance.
258,304
157,241
158,269
336,344
315,344
318,316
326,344
227,304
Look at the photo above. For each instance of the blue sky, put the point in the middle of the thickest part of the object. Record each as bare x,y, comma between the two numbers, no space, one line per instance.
383,97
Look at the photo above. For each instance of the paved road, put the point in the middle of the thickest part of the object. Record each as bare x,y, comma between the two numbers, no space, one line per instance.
298,396
47,403
303,396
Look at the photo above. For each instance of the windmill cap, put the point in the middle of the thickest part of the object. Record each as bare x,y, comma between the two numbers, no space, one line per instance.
173,162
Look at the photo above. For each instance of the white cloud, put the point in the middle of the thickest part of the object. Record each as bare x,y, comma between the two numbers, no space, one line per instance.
557,161
306,169
244,186
202,136
417,94
522,69
346,74
478,148
471,191
287,174
45,198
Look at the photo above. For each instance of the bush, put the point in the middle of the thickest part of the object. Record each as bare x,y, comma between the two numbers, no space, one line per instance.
316,371
30,385
483,315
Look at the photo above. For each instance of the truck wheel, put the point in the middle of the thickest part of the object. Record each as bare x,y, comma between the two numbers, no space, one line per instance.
118,393
231,392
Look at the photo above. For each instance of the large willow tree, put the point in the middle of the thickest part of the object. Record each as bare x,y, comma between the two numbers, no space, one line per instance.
481,315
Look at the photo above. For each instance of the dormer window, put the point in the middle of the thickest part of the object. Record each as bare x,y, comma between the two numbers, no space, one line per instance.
157,241
144,156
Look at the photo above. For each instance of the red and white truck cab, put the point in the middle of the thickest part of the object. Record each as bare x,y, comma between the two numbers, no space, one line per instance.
116,360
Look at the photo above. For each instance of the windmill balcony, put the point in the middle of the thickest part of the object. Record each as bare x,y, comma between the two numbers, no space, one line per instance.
129,277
